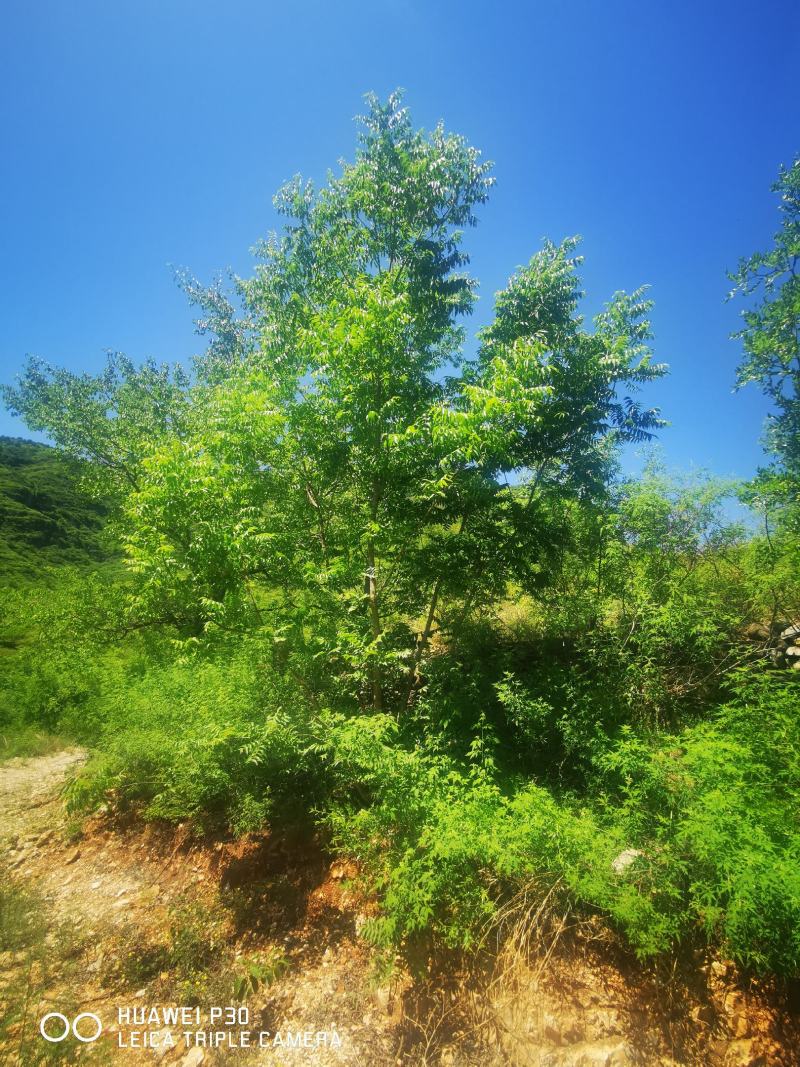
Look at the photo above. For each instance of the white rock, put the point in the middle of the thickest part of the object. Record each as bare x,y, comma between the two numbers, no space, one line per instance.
625,859
193,1058
161,1048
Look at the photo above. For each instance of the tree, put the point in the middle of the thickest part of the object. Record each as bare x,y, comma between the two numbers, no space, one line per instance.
771,341
322,475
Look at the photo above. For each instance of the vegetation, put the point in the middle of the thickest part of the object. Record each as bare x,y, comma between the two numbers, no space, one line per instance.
45,518
406,596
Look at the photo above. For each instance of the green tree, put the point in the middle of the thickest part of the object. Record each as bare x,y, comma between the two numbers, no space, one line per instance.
770,337
333,469
112,419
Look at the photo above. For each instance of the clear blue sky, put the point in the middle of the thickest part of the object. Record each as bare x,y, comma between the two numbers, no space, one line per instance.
137,135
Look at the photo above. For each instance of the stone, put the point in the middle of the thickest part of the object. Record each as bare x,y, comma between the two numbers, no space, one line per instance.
790,633
161,1049
193,1058
739,1053
793,650
733,1002
382,997
740,1026
628,856
703,1013
73,856
598,1054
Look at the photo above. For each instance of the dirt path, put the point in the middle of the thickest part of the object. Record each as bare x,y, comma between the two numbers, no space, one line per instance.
141,918
29,790
120,920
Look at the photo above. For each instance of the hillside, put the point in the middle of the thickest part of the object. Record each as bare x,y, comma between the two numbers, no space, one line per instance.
45,517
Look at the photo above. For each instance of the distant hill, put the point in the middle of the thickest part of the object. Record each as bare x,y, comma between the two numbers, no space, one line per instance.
45,517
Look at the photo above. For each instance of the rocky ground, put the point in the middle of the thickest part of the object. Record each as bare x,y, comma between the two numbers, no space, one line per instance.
125,921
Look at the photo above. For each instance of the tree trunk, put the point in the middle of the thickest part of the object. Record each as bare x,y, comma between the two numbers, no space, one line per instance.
371,589
422,642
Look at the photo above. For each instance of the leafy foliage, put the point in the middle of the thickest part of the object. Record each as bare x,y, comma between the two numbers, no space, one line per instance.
376,586
771,341
45,518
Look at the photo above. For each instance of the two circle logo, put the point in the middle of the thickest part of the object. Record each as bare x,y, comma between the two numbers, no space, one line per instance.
49,1032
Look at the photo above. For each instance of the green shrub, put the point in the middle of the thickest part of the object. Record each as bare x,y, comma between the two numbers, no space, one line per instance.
710,814
218,742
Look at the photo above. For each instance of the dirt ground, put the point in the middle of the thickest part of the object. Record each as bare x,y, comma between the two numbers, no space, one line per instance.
125,921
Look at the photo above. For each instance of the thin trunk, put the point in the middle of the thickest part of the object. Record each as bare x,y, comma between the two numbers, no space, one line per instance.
371,589
422,642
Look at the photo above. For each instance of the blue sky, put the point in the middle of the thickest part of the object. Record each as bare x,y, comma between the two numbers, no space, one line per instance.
137,135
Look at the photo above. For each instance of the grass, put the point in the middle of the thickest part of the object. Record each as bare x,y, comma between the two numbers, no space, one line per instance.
27,742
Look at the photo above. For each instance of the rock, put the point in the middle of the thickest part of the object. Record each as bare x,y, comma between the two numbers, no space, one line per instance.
796,665
96,885
551,1029
73,856
597,1054
193,1058
625,859
733,1002
740,1026
585,997
793,650
161,1049
604,1022
383,998
757,631
719,969
703,1013
740,1053
42,839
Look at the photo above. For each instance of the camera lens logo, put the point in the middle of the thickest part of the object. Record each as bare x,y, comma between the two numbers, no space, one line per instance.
61,1028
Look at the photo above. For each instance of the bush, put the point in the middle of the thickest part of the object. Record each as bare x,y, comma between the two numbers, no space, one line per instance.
217,741
709,815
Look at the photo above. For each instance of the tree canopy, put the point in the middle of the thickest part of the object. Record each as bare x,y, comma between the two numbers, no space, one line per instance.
770,338
332,465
